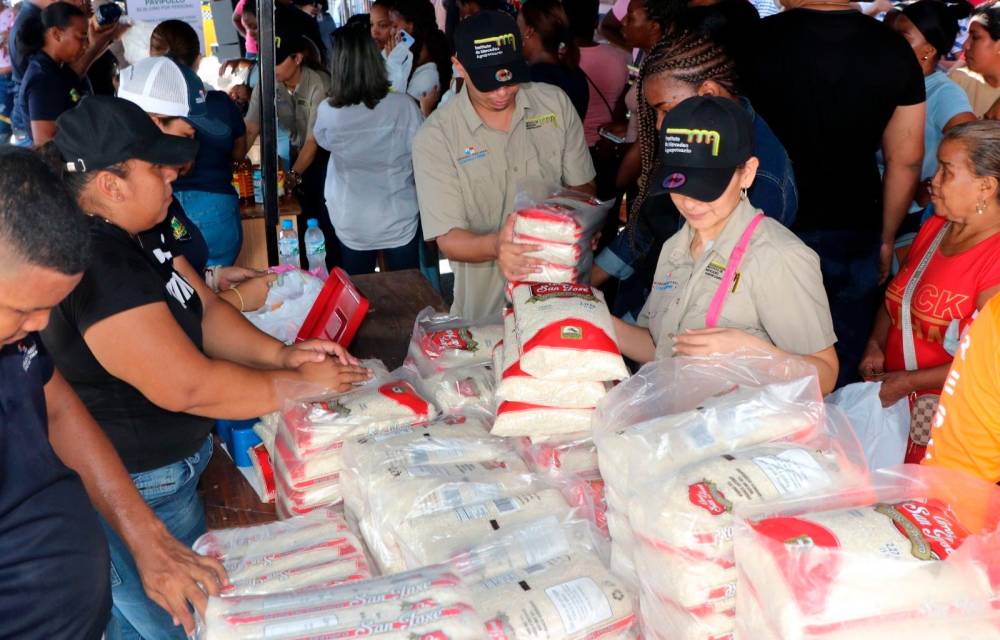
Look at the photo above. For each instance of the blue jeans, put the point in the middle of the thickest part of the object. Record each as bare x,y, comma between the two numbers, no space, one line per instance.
849,261
396,259
217,216
6,106
171,492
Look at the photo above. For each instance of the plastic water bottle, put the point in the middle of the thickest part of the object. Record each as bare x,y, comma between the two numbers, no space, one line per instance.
316,247
288,244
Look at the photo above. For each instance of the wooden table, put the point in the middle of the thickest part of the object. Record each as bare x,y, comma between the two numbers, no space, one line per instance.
395,299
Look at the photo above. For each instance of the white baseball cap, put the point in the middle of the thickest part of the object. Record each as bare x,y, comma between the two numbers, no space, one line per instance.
157,85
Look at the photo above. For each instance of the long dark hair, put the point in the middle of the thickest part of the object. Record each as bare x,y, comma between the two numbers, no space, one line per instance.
426,34
357,69
691,58
31,35
550,22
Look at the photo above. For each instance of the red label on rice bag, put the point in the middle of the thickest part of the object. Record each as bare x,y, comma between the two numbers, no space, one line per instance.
706,495
438,342
407,396
561,290
797,532
932,528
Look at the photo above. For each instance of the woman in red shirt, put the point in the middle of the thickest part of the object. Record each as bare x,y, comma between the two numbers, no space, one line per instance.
956,260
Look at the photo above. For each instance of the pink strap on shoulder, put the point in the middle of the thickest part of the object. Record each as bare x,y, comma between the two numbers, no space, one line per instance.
735,258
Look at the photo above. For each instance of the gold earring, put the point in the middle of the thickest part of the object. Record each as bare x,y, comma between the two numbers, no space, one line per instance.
980,208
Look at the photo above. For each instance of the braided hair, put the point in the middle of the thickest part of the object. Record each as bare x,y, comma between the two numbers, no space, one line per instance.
692,58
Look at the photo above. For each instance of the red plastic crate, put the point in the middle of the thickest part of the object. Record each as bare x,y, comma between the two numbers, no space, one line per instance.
338,312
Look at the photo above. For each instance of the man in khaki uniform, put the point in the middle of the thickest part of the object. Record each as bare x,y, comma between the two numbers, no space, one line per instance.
772,299
470,155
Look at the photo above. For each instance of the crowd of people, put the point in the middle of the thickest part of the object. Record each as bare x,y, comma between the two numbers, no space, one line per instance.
807,180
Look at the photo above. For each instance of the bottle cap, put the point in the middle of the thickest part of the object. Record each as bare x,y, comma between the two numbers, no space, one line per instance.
311,223
286,224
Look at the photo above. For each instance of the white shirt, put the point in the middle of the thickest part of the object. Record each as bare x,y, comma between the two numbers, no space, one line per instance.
370,192
425,77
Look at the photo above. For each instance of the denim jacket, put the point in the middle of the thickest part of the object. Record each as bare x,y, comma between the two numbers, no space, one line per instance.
773,192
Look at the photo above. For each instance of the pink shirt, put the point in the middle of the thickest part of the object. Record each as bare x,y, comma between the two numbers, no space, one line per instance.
251,41
6,22
606,67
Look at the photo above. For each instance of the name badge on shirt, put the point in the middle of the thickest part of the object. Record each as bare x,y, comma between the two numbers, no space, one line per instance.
715,270
535,122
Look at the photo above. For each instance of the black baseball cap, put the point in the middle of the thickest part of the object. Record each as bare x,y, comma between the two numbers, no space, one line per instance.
488,44
702,142
286,43
103,131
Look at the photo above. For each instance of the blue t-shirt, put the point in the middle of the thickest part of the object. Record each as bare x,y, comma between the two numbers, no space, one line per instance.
54,569
213,166
945,100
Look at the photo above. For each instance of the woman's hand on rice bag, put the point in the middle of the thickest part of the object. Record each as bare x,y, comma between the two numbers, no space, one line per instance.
513,258
333,375
253,292
227,277
703,342
177,578
316,351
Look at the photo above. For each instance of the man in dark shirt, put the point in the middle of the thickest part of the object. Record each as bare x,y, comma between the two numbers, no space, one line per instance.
54,570
835,85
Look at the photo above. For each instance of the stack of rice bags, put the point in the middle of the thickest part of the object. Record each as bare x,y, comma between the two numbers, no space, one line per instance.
677,411
570,462
419,495
546,579
308,552
562,224
308,460
683,524
454,360
430,603
557,359
915,555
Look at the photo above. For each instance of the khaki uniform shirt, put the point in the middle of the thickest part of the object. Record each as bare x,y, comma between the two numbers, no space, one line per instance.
981,95
777,293
297,109
467,175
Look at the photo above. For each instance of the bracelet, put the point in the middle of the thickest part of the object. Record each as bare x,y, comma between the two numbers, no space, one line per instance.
240,296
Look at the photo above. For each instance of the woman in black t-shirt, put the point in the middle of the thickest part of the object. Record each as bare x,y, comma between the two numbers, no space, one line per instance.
152,352
49,44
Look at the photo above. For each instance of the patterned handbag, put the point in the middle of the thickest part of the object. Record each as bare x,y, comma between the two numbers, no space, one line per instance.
922,410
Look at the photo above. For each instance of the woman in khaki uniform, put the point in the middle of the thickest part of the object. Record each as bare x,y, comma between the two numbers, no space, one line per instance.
730,279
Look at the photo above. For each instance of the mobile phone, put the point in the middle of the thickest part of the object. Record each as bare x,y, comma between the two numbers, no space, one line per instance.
607,135
406,38
109,13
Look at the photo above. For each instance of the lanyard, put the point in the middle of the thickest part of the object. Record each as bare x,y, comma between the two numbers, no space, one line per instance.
732,265
909,347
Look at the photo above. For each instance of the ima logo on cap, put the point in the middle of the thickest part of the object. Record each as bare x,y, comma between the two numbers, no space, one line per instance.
675,181
504,75
498,41
701,136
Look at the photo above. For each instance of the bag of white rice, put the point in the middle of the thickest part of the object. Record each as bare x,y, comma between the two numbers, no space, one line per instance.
521,419
460,388
314,426
441,341
561,457
663,620
517,386
566,334
907,548
571,597
428,603
560,253
318,550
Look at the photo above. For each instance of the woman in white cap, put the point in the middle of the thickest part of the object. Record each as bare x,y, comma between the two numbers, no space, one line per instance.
156,356
730,279
160,87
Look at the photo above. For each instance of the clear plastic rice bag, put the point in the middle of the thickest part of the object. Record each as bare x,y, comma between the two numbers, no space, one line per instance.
915,549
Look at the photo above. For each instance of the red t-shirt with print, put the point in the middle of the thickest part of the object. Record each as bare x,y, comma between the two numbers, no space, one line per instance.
947,291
